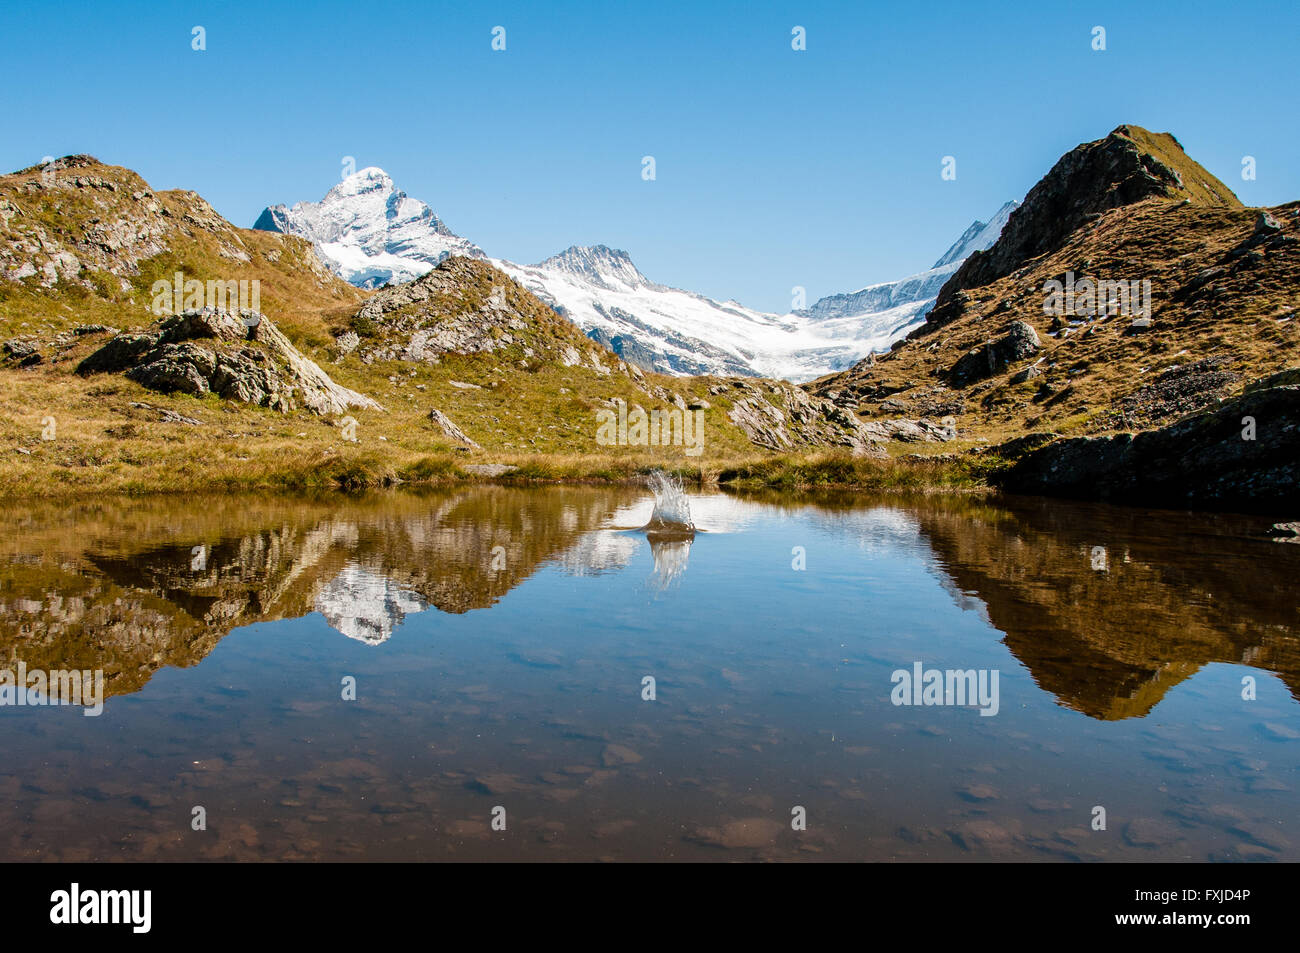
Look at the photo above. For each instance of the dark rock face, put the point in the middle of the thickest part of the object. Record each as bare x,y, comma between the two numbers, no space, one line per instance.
1020,341
1019,446
241,358
1202,462
1287,378
120,353
1091,179
633,351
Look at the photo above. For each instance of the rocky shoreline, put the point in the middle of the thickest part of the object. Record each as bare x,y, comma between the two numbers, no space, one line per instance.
1242,455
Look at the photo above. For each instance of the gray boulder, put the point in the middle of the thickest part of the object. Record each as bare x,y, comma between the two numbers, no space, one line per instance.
1020,341
243,358
451,430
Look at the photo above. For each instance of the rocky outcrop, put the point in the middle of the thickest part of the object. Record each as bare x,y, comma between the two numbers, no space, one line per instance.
666,352
244,358
462,306
783,417
451,430
1199,297
626,347
1020,341
909,431
22,352
1128,166
78,222
1244,455
1179,391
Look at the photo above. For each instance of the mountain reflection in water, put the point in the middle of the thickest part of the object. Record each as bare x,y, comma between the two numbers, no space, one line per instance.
1108,610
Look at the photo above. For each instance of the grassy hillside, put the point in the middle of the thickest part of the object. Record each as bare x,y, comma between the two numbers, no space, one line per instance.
1223,281
476,378
1196,184
82,245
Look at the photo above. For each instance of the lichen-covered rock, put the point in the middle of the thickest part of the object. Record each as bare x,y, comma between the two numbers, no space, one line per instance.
780,416
908,431
176,368
1020,341
243,358
463,306
22,352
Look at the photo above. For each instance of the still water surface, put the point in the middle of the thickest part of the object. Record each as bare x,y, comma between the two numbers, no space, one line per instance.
500,640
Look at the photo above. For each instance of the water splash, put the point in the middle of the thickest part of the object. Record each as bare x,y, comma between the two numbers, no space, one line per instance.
670,530
672,512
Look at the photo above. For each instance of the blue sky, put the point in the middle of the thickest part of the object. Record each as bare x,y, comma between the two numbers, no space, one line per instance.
775,168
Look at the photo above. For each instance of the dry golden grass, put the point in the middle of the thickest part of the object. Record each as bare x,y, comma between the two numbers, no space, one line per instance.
107,432
101,444
1246,315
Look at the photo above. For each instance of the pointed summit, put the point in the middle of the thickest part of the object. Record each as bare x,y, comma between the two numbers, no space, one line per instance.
370,232
370,179
1130,165
979,237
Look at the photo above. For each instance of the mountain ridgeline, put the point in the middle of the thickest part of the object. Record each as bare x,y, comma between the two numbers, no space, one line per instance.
372,234
1128,313
147,342
1130,293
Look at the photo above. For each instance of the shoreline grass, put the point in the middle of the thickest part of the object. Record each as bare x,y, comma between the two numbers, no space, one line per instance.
360,469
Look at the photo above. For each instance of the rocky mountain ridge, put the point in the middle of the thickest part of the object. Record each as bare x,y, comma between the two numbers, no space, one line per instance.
1004,359
461,360
600,289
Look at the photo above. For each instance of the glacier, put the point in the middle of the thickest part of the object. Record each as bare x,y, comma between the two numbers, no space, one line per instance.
372,234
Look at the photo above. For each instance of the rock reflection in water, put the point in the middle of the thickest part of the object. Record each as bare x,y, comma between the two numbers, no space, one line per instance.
118,587
144,584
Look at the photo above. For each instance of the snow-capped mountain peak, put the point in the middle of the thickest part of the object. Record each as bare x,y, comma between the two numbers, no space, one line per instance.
979,237
907,298
599,265
370,179
370,232
365,605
